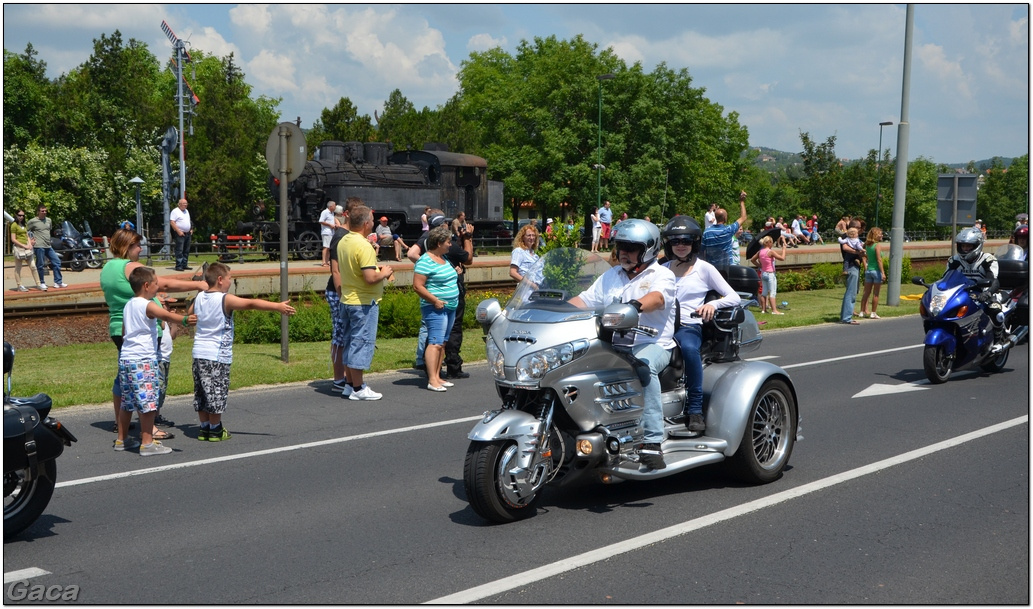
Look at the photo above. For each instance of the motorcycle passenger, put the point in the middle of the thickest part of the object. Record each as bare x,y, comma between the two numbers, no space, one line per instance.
641,281
1021,238
978,266
694,278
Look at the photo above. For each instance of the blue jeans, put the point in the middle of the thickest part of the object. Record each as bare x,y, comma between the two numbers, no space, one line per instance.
43,254
421,342
182,250
657,358
846,314
689,339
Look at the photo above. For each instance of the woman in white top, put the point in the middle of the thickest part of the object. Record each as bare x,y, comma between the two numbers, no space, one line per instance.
694,279
523,256
597,228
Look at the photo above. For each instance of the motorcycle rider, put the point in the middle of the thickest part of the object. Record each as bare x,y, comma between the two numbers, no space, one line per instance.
979,266
694,279
641,281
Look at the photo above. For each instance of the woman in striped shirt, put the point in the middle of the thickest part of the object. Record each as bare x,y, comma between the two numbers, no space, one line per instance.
435,280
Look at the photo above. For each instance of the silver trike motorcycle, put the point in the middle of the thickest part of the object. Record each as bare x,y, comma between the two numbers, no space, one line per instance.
572,402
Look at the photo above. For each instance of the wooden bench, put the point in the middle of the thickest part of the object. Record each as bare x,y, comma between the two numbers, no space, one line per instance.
233,247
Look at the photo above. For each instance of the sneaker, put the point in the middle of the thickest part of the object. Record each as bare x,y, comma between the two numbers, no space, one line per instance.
154,448
43,287
347,391
128,444
365,394
218,434
161,421
458,374
874,316
651,455
61,285
202,433
22,288
695,422
340,385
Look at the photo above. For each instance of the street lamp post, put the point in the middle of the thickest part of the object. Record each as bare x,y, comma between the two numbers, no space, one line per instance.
599,150
878,170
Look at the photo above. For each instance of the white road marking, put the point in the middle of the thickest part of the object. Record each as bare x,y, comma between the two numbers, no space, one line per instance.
882,389
761,358
260,453
854,356
581,560
23,574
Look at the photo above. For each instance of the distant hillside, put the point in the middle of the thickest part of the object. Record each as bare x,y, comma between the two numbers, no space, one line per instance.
770,159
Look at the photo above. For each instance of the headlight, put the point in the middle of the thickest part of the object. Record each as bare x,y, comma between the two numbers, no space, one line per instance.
535,365
496,361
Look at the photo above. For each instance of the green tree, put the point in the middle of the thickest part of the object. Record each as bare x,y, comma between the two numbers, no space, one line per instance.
1004,193
28,105
341,123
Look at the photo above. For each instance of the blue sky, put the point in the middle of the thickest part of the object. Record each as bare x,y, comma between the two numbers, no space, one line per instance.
825,69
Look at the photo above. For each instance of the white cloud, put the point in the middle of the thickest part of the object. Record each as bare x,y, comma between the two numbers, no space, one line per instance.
483,42
948,73
253,17
273,72
213,43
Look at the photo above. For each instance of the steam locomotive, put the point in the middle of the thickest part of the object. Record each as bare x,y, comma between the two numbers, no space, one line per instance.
398,185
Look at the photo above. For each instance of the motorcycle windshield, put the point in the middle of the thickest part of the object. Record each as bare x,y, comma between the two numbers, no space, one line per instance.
559,275
69,231
1010,251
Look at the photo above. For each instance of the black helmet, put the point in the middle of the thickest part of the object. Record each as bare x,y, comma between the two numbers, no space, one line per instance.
682,227
644,235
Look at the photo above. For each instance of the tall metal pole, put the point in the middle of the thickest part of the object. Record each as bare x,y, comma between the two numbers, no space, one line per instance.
182,134
900,179
284,134
878,172
598,155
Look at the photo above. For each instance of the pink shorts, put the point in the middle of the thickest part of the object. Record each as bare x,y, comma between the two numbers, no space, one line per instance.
605,232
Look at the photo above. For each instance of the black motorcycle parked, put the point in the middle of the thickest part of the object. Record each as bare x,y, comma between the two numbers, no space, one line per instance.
32,443
76,250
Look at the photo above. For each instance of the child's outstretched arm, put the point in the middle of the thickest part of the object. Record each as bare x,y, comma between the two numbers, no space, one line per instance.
156,311
236,303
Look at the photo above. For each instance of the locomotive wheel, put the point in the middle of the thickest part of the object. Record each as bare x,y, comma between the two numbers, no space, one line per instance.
310,246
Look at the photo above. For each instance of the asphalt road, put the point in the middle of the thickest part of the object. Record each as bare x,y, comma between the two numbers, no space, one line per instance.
900,492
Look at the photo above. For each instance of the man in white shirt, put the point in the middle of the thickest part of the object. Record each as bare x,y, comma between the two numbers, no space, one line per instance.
797,228
327,224
638,280
182,228
710,218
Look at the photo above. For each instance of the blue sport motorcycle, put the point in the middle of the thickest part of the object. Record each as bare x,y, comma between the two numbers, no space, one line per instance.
959,333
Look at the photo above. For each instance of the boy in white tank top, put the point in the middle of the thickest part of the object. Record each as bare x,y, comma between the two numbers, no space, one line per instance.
213,347
138,368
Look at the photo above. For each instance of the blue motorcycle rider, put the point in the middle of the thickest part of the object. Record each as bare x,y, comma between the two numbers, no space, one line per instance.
978,266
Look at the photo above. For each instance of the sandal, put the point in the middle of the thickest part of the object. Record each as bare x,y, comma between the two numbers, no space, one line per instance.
161,434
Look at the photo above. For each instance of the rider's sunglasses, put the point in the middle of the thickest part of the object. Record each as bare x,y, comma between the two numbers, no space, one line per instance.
681,241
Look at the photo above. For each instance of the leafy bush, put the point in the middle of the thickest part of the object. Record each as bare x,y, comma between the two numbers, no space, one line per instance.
824,275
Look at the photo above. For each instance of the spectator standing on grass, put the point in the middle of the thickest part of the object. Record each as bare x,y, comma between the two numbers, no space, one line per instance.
459,254
605,222
765,260
717,240
23,252
125,247
435,218
597,228
333,299
853,251
435,280
213,347
183,229
39,229
875,272
138,368
362,288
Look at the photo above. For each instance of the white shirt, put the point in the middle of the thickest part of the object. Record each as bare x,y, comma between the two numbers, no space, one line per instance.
326,216
213,338
522,259
691,290
139,332
614,285
181,218
709,219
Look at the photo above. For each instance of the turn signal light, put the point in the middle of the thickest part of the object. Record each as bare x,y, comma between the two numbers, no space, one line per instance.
584,447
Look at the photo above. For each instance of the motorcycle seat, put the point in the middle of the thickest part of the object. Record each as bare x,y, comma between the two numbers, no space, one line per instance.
41,402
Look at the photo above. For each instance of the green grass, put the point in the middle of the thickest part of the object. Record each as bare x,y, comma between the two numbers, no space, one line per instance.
82,374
